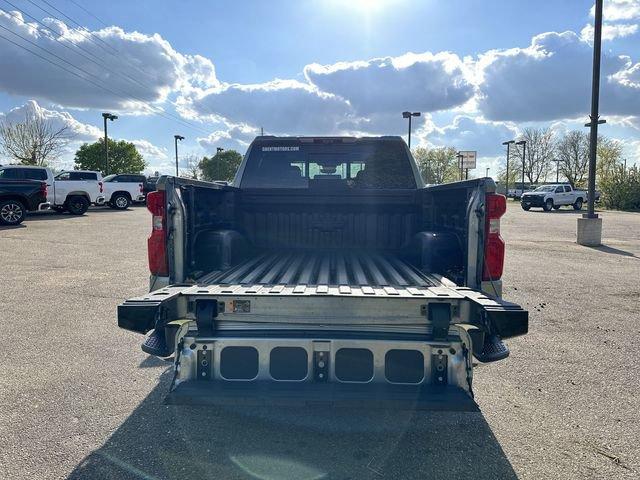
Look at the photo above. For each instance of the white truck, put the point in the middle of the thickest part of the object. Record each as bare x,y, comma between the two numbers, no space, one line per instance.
326,272
122,190
73,191
553,197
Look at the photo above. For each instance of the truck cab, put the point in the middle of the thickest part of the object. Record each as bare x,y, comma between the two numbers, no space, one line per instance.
326,271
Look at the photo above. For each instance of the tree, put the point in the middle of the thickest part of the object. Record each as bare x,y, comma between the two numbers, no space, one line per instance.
123,157
539,153
437,165
609,156
191,165
222,166
572,153
36,141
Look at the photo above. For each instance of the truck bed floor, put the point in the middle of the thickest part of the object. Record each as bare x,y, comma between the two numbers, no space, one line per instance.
331,268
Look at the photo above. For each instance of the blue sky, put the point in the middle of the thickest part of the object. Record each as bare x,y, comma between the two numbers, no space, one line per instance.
479,71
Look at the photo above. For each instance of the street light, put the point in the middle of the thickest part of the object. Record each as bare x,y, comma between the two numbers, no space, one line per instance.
107,116
524,150
508,144
487,174
557,169
176,138
409,115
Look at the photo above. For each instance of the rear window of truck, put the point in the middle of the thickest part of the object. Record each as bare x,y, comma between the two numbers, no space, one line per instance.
358,165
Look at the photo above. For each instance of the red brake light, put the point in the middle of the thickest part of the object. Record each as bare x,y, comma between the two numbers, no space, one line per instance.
43,188
100,186
157,242
494,244
141,188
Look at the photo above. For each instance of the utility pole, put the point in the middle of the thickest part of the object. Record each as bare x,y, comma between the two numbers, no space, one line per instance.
524,152
175,139
409,115
107,116
590,226
261,132
506,188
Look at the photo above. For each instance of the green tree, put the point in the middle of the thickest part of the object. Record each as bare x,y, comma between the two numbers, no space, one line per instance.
123,157
222,166
437,165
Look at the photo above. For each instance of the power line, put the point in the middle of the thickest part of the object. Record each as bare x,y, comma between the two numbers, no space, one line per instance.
84,9
102,87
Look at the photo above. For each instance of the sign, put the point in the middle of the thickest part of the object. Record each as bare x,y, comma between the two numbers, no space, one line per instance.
467,159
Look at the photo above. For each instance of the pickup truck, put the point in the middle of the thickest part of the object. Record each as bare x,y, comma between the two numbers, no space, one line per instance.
553,197
71,191
124,189
325,272
17,197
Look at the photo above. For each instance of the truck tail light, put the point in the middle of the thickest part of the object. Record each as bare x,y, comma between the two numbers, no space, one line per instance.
141,188
43,188
494,244
100,187
157,242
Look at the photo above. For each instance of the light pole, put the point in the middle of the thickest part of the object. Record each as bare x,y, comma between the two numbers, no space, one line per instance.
487,174
409,115
590,226
506,188
175,139
459,156
107,116
524,150
557,170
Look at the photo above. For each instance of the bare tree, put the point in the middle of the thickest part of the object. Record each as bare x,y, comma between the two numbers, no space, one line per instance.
36,141
191,167
539,153
572,153
437,165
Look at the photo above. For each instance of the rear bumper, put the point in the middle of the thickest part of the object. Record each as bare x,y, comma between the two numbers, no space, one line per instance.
100,200
44,206
139,198
397,397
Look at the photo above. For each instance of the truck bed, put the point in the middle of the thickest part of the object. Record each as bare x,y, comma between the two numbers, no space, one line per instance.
323,272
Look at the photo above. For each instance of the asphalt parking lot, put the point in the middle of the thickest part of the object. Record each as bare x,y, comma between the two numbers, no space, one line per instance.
79,399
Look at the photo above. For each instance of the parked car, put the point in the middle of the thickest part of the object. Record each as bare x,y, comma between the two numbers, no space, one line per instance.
326,271
17,197
553,197
516,193
71,191
122,190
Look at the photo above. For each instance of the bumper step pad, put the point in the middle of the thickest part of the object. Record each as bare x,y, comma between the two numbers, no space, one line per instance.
156,344
493,349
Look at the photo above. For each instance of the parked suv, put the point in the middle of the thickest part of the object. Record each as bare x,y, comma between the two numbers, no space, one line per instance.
123,189
71,191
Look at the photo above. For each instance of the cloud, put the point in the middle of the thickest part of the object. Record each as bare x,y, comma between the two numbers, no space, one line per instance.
237,137
551,79
132,67
80,132
469,133
280,106
616,10
149,151
609,31
424,82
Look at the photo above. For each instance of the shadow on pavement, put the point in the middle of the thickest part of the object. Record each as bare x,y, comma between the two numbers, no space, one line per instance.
614,251
177,442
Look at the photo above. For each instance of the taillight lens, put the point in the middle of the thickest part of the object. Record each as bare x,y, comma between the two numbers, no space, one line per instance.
141,188
100,186
157,242
494,244
43,188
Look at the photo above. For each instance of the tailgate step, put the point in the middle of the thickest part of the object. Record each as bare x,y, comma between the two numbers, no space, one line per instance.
156,344
339,395
493,349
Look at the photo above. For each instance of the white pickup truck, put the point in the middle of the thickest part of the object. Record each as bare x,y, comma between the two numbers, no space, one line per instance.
122,190
71,191
553,197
